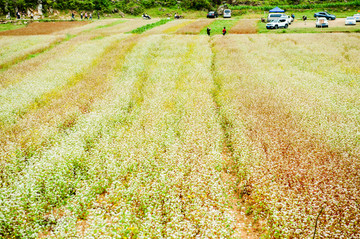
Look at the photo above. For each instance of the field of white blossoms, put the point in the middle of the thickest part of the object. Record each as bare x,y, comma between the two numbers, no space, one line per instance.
107,134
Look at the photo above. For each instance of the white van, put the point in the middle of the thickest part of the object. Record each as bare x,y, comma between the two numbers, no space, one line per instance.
227,13
274,16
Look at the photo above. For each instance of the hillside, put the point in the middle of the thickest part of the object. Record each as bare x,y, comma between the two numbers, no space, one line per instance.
137,7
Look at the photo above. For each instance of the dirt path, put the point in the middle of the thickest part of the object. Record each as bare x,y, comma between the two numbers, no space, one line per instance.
42,28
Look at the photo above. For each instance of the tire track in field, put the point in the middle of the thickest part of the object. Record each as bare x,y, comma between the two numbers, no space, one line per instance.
245,227
57,111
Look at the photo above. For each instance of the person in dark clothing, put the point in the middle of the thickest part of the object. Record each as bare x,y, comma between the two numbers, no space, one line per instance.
72,16
224,31
208,30
98,15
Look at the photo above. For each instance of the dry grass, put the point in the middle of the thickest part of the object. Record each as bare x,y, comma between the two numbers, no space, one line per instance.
195,27
179,24
244,27
42,28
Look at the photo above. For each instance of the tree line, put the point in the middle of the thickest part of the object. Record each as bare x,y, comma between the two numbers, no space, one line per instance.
131,6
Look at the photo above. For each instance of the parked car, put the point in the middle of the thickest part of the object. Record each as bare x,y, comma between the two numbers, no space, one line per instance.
277,23
357,17
212,14
227,13
326,15
322,22
350,21
274,16
288,19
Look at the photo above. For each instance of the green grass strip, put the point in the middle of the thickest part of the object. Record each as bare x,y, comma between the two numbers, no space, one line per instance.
218,25
35,53
300,6
105,26
261,28
10,26
150,26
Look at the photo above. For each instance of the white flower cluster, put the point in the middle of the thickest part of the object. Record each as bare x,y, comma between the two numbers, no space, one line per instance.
15,98
145,162
13,47
291,103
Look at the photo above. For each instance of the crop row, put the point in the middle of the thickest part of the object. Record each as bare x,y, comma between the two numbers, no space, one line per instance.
145,161
291,121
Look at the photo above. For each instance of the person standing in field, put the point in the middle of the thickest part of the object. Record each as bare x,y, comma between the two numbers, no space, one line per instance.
90,16
224,31
208,30
81,15
72,16
98,15
86,16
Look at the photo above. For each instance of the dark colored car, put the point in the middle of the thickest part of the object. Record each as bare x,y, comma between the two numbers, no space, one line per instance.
212,14
326,15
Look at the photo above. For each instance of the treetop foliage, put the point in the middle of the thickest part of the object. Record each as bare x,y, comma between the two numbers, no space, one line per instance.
133,6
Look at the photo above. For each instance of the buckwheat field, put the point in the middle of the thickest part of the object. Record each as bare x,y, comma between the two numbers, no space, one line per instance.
175,134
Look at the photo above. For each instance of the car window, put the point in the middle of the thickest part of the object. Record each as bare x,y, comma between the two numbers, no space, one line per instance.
282,20
275,15
227,11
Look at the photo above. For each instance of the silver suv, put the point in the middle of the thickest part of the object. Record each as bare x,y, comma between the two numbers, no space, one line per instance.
277,23
273,16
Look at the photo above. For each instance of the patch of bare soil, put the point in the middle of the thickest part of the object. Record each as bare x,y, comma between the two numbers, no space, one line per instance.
245,26
42,28
195,27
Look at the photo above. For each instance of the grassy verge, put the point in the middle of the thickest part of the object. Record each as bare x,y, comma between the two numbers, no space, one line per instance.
107,25
150,26
10,26
299,12
261,28
352,4
218,25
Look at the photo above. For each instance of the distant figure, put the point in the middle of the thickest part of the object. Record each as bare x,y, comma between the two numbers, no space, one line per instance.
90,16
304,19
8,16
224,31
18,15
145,16
98,15
81,16
86,16
208,30
32,16
72,16
293,16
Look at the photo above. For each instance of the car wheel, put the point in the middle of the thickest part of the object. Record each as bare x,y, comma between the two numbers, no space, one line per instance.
276,27
286,26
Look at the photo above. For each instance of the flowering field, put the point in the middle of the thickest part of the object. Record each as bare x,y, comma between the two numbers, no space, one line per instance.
113,135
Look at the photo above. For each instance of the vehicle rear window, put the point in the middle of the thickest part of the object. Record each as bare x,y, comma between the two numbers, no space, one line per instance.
227,11
275,15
